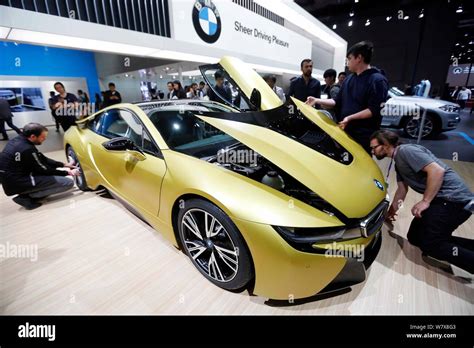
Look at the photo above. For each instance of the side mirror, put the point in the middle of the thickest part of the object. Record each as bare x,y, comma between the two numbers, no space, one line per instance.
256,99
119,144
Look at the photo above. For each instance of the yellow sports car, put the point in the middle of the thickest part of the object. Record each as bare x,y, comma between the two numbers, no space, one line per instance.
272,198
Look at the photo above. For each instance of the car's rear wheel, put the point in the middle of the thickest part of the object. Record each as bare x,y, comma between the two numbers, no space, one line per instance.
214,245
80,180
412,127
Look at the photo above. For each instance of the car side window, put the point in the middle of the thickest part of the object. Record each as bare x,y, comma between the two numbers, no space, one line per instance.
94,124
123,123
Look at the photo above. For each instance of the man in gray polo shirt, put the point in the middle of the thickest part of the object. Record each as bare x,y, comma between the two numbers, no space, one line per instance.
445,197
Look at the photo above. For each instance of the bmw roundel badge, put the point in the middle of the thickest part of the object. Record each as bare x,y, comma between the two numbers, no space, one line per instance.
206,20
378,184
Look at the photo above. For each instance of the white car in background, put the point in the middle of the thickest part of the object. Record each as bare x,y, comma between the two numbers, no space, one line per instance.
401,111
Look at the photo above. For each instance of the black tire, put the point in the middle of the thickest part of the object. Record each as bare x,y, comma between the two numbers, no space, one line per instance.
80,180
230,271
430,128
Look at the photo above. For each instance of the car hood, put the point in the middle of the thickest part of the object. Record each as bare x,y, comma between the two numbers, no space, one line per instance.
424,102
350,188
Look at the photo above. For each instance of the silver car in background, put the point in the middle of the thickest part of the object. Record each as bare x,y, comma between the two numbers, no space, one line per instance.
405,112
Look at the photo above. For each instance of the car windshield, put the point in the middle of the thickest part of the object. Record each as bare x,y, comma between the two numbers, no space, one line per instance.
184,132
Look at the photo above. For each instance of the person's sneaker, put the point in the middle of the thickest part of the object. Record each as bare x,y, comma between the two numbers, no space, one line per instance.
26,202
462,273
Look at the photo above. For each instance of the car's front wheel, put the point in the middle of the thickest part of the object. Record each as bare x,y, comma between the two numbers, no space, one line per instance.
412,127
214,244
80,180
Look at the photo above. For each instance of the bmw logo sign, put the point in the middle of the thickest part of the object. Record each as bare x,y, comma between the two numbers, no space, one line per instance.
378,184
206,20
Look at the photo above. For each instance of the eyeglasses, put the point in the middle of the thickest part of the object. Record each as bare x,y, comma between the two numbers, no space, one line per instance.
372,148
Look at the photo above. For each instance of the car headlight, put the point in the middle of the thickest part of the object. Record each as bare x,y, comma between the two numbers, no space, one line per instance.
449,108
309,236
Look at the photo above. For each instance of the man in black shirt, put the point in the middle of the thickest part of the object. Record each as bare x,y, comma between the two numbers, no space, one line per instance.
64,105
222,91
305,85
26,172
360,99
112,97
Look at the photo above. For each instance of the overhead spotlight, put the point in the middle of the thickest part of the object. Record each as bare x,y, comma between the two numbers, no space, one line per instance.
466,34
388,18
349,24
367,23
459,10
406,17
334,26
351,14
356,1
471,42
422,14
126,75
457,44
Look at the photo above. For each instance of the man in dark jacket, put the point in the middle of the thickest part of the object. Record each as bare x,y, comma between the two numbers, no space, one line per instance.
6,116
305,86
360,100
28,173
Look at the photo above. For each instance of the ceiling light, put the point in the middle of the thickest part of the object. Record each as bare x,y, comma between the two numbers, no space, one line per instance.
406,17
334,26
388,18
356,1
351,14
459,10
457,44
367,23
299,17
349,24
421,15
77,42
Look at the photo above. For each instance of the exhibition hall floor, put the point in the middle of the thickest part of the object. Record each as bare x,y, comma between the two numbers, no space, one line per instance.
95,257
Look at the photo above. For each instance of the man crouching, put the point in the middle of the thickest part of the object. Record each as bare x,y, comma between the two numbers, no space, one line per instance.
28,173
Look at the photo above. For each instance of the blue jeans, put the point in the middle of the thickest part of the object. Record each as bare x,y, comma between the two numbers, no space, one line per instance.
49,185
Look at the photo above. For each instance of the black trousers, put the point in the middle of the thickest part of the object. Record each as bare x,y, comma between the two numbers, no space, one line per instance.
56,119
432,233
9,122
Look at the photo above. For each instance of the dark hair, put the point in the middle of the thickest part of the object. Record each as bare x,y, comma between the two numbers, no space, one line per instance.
167,83
59,83
270,78
330,73
194,84
202,83
218,74
386,137
79,91
363,48
33,128
111,84
307,60
342,73
52,93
